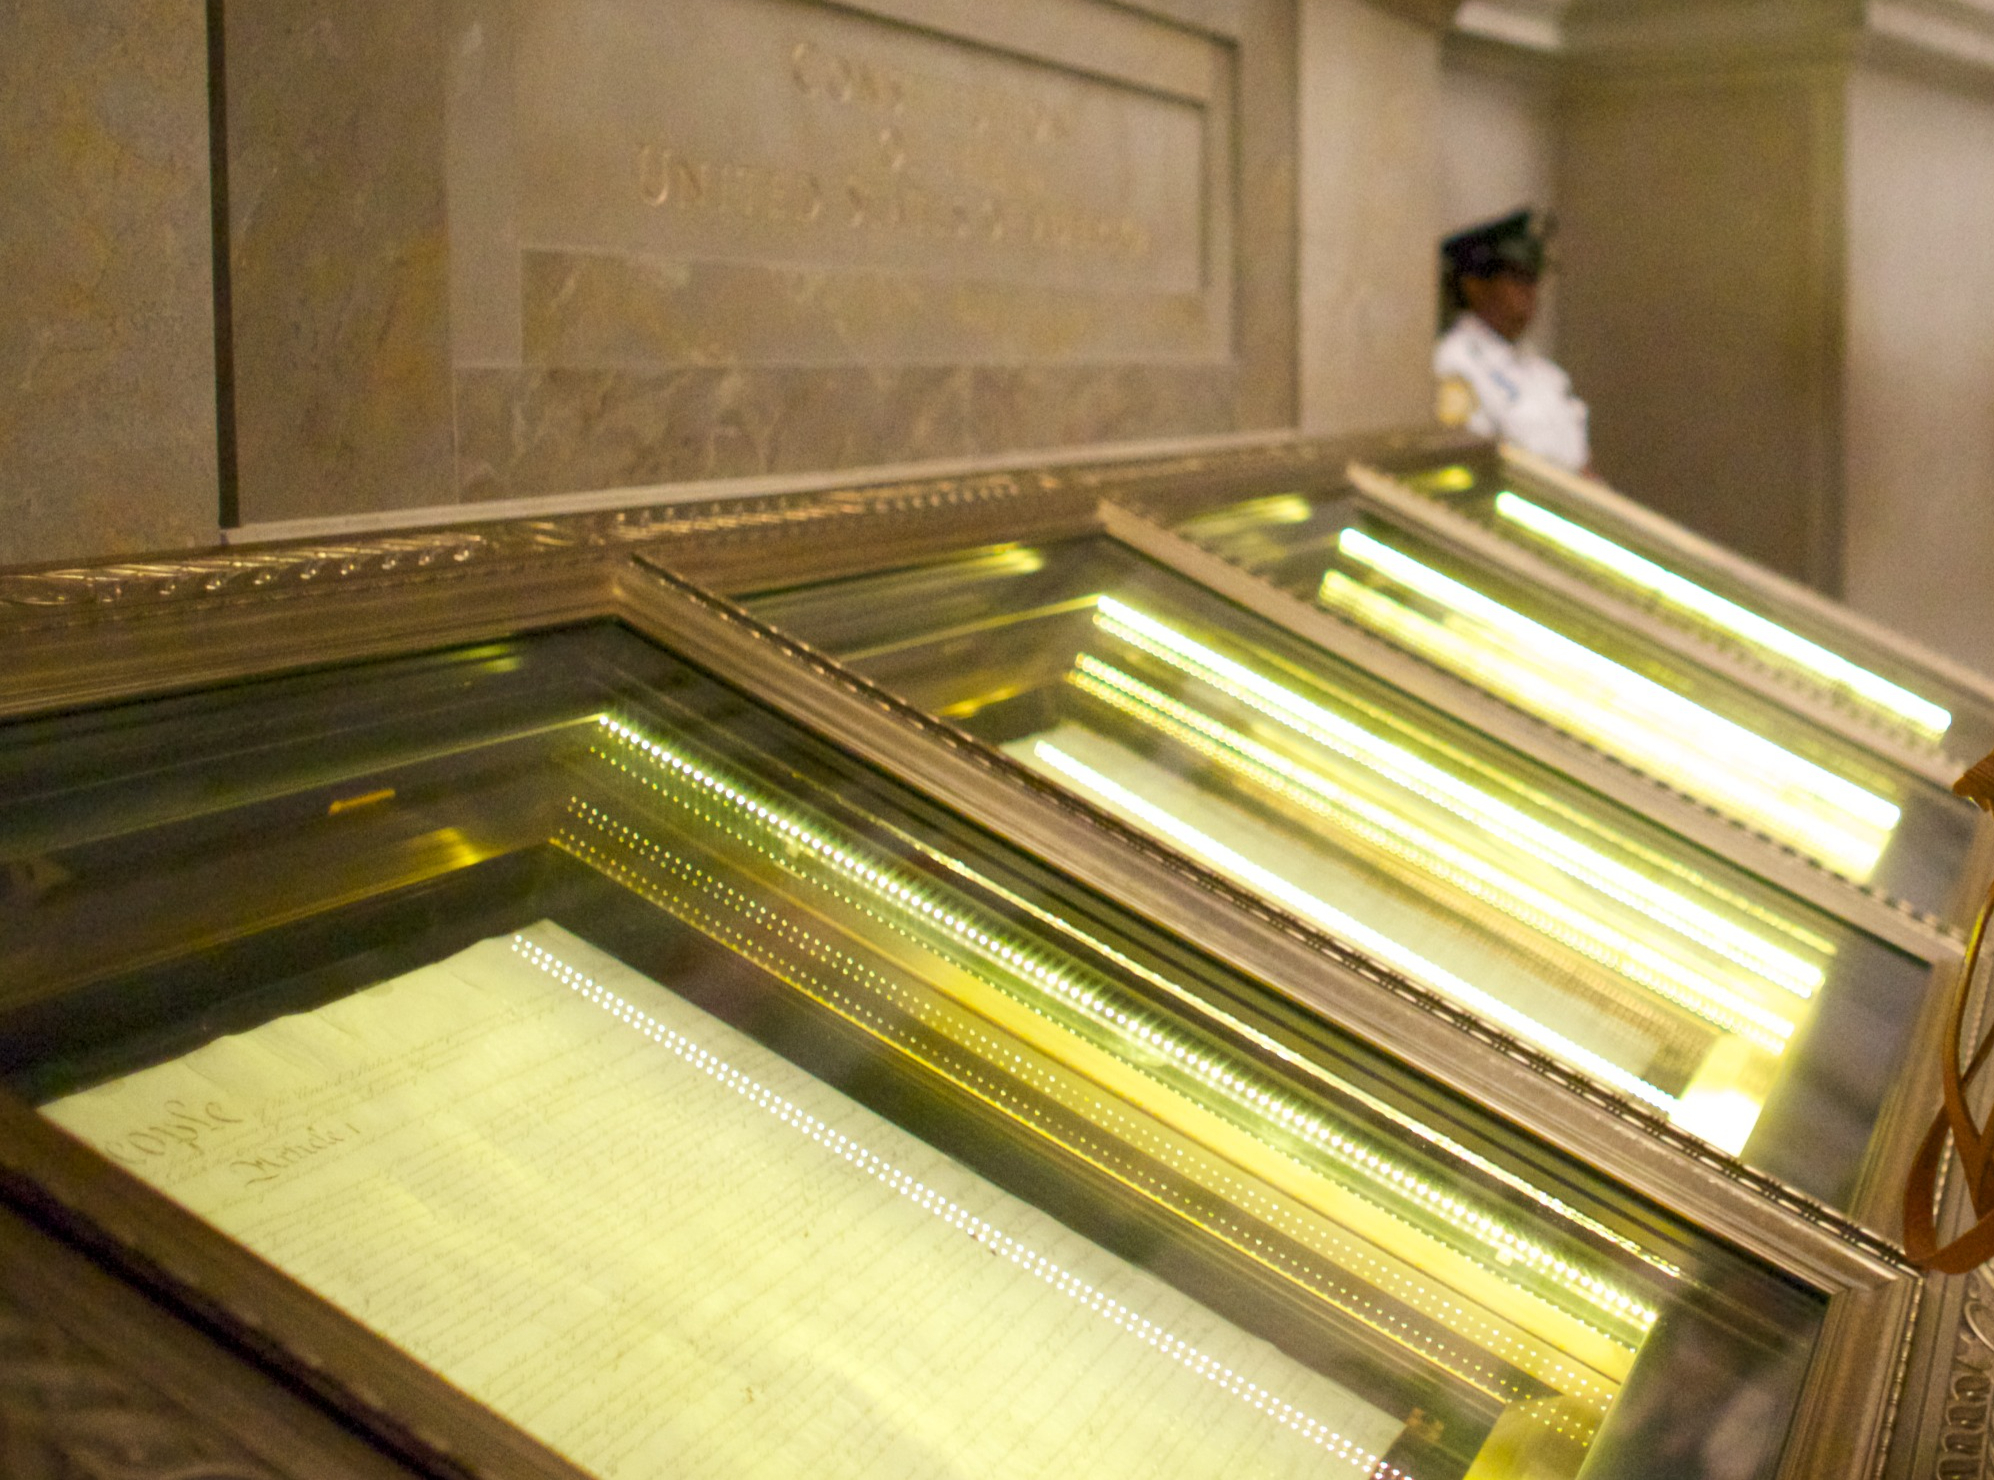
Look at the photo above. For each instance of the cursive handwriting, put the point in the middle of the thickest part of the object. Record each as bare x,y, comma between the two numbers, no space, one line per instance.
270,1162
179,1126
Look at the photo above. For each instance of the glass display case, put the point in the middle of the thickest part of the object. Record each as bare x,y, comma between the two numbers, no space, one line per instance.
1414,576
692,1097
1885,688
547,1020
1668,974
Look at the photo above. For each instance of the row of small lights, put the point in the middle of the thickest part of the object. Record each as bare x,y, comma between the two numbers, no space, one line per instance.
1701,753
954,1215
1638,962
1446,1144
1375,943
1540,1359
1569,855
1505,1244
1212,1072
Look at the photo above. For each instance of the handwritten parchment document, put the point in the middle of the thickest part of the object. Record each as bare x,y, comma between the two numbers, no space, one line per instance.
666,1251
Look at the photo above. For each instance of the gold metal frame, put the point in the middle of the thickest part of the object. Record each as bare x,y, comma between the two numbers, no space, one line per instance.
123,630
1900,924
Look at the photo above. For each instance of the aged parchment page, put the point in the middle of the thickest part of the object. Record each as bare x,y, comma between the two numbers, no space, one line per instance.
666,1251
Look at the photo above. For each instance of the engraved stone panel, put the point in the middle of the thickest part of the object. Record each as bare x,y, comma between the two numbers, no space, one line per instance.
751,236
492,248
792,131
783,182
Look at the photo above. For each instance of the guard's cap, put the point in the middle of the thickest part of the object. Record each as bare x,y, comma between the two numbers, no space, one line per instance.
1512,243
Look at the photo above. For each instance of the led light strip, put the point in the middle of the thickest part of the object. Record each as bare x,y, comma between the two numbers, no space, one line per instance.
1355,933
1365,1262
1094,998
1541,792
1563,655
1796,819
1214,1076
1495,816
1928,718
1627,715
951,1213
1618,729
1273,1046
1636,961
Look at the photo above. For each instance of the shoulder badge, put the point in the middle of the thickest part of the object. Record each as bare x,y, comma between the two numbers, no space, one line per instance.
1454,401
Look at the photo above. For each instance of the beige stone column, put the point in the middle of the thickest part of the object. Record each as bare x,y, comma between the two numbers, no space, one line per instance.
1701,309
1777,279
1369,214
1919,403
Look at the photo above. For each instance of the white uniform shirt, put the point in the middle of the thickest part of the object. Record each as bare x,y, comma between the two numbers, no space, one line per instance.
1516,393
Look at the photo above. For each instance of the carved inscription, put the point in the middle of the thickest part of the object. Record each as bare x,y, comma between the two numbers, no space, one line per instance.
945,167
1962,1444
795,133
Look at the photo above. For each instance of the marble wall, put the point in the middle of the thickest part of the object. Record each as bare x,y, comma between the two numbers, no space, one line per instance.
1370,100
1920,379
107,369
481,249
487,249
1701,300
339,255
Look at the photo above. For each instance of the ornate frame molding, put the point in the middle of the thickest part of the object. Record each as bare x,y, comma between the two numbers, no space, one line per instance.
126,629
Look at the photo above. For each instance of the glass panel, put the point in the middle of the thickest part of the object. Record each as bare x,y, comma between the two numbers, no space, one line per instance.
1794,645
1661,971
707,1105
1812,789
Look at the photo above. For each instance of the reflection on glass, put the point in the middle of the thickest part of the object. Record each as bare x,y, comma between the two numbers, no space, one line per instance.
710,1107
1609,705
1736,1007
1623,954
1820,786
1795,645
1080,1015
1687,599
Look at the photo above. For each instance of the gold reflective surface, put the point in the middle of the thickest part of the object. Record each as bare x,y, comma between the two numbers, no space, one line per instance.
680,1089
1480,876
1808,779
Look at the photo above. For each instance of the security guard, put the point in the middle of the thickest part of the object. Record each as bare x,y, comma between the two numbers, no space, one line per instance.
1488,380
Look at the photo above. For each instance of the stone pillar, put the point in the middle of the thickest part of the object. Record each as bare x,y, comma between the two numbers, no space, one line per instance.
1369,207
1777,279
1919,404
1701,308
